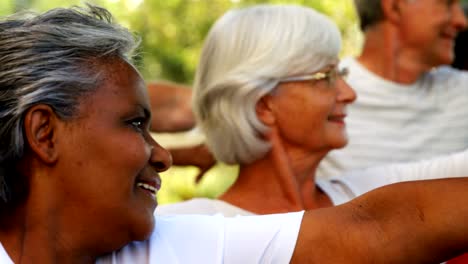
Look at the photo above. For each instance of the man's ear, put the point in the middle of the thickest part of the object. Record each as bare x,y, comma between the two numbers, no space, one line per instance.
392,10
264,110
40,125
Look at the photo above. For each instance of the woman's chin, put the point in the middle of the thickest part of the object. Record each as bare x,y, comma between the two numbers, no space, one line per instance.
339,143
344,144
144,229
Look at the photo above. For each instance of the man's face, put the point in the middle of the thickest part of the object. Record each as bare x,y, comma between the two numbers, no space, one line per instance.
428,29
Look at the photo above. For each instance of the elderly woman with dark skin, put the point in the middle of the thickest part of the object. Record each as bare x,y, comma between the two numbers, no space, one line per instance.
79,171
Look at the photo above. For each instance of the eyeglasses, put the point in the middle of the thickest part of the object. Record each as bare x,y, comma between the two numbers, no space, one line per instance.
331,75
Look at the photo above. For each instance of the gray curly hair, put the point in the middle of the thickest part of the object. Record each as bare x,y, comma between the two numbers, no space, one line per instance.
48,59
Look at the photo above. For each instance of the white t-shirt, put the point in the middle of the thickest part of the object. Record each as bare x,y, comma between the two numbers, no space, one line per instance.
4,258
215,239
391,122
211,240
344,188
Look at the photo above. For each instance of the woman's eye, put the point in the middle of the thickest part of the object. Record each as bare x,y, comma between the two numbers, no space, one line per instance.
335,74
138,124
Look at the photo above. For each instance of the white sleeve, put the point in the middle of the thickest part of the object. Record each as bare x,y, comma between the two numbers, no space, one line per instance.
261,239
217,240
214,240
4,258
449,166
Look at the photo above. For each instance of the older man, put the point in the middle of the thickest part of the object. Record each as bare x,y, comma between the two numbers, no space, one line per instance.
409,106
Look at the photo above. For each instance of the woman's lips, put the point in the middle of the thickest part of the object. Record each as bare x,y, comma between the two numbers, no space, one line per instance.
450,34
150,184
147,187
337,118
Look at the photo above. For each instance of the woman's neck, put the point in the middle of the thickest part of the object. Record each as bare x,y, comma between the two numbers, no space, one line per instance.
282,181
29,247
31,232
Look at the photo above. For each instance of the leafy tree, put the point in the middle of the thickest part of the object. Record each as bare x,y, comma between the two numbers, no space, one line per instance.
172,31
6,7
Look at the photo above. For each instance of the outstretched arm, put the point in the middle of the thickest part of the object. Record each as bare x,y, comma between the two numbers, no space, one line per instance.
171,107
412,222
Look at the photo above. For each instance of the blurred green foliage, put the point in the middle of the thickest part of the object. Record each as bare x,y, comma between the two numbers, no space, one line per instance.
172,31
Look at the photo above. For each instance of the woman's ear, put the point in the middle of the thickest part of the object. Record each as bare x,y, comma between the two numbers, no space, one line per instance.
264,110
40,124
392,10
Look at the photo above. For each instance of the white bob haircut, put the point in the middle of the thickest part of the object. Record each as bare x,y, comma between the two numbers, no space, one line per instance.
244,56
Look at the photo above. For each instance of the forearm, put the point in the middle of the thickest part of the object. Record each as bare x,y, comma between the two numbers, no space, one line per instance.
198,155
419,222
171,107
414,222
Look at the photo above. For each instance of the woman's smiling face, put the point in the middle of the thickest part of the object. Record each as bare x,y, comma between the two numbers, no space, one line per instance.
311,114
109,161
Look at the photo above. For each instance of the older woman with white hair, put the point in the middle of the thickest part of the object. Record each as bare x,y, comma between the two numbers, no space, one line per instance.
269,95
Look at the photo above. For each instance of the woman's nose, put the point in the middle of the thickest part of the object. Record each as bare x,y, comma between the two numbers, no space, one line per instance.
161,158
458,18
346,92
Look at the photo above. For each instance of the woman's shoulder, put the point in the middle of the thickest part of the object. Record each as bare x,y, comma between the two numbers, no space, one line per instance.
204,206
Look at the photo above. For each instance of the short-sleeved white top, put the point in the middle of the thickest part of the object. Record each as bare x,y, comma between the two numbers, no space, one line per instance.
215,239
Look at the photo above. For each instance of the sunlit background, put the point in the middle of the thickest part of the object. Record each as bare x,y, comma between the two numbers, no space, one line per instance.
172,32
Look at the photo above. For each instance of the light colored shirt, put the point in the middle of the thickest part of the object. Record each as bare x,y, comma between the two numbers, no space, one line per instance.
4,258
391,122
215,239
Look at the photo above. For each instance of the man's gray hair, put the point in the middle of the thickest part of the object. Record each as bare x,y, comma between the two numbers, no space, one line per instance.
50,59
369,11
246,53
